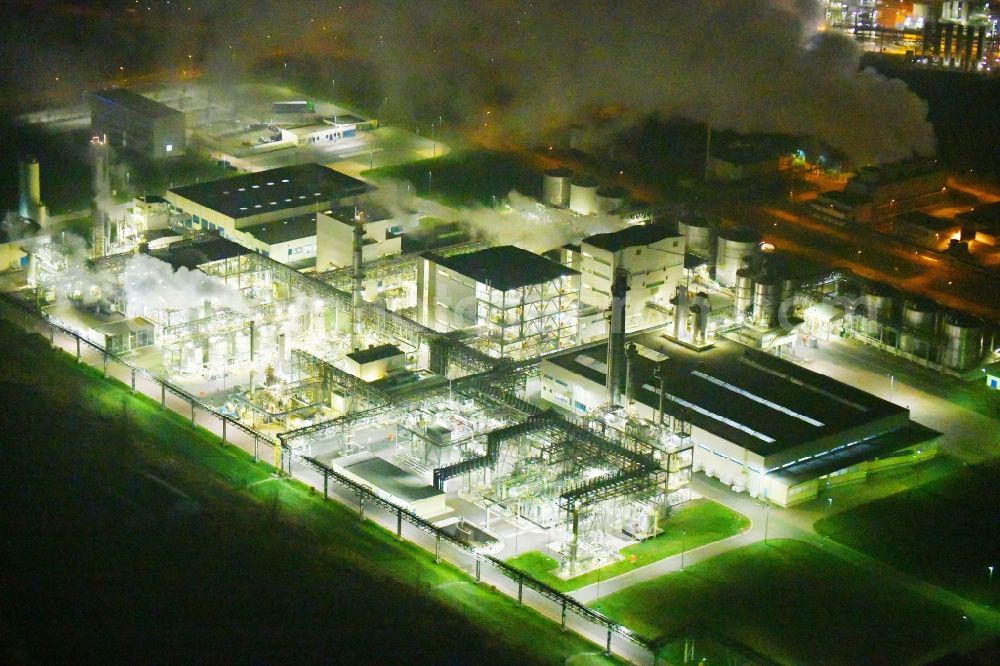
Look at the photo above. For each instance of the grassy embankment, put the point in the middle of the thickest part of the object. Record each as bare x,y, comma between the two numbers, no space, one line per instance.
95,560
945,531
792,603
702,521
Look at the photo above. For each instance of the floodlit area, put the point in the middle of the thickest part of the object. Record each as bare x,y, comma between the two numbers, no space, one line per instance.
553,383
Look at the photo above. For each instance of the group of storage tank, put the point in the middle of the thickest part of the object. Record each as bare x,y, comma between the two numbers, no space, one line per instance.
952,340
699,236
582,195
736,247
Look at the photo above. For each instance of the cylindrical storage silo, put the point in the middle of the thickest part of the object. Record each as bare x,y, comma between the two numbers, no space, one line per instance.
190,358
744,294
218,350
241,346
700,310
920,324
963,343
583,196
920,316
766,301
30,188
699,236
880,303
266,339
735,247
556,187
610,199
788,288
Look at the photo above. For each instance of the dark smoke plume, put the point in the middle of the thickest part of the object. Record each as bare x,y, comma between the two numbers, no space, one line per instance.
745,65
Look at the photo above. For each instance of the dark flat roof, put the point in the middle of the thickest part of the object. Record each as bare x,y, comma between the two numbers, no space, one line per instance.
199,251
135,102
756,400
881,446
505,267
393,480
363,356
282,231
274,189
632,236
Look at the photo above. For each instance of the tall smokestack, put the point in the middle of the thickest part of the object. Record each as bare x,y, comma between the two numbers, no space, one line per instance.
102,197
632,372
617,370
359,276
29,201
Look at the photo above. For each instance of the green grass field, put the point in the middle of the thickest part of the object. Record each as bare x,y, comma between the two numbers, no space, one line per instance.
697,523
265,570
465,178
792,603
946,531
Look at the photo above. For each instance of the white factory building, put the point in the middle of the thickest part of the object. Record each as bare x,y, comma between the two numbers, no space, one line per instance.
335,234
758,423
651,254
325,132
233,204
521,303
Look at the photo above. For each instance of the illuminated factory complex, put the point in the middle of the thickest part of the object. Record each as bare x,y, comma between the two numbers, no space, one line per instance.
578,390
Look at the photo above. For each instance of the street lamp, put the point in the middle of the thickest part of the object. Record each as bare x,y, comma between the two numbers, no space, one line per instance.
991,574
683,544
767,515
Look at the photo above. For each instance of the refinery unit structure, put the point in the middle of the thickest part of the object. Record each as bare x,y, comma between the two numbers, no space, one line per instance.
421,372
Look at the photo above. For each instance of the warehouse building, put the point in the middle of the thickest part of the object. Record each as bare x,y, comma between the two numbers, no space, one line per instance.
138,124
758,423
524,304
233,204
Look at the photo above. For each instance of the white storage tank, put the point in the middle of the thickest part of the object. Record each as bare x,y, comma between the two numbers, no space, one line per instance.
191,355
610,199
744,293
766,302
266,339
880,303
583,196
699,236
242,346
920,324
963,343
556,187
218,350
920,316
736,246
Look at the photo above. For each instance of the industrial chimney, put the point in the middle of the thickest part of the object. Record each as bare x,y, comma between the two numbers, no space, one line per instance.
617,370
357,301
29,204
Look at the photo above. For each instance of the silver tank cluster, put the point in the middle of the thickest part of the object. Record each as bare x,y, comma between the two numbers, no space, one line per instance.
919,327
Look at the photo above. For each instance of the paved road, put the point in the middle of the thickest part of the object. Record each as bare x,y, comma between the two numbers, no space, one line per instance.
966,416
